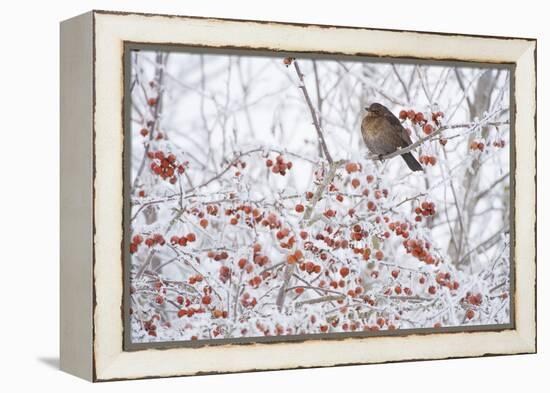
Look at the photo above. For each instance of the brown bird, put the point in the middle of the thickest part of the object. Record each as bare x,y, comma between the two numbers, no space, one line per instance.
383,134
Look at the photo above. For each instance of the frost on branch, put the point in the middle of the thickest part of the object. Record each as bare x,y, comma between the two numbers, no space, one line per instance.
256,209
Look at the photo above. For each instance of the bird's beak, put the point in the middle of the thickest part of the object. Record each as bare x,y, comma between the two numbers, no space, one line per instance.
367,108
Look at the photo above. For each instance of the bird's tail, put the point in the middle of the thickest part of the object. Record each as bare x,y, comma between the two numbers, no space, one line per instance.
411,162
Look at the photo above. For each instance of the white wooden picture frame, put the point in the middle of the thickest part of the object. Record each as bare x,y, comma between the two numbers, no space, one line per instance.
92,197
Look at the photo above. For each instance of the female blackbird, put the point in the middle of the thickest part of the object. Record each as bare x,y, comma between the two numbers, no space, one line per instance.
384,134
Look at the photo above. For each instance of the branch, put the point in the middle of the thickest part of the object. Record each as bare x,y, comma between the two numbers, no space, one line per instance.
313,114
157,108
405,90
432,136
322,299
321,189
486,244
307,220
491,187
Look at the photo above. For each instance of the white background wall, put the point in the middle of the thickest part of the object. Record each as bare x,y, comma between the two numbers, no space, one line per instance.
29,194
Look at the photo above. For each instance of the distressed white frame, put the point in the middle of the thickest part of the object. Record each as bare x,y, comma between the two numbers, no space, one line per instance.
98,354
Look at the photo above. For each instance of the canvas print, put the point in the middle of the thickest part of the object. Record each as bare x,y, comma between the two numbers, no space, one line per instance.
281,197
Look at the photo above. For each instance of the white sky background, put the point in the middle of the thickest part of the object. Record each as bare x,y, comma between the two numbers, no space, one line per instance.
215,106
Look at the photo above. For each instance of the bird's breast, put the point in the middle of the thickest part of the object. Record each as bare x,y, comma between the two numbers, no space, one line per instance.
372,126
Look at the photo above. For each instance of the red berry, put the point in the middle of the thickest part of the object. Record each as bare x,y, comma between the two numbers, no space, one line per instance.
352,167
299,208
428,129
419,117
344,271
206,300
470,313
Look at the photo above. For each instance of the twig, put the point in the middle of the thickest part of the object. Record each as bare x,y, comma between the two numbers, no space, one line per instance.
312,111
322,299
486,244
405,90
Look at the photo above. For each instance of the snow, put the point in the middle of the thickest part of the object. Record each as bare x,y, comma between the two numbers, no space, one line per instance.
223,117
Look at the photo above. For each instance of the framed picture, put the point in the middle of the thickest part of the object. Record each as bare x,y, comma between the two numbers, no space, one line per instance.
246,195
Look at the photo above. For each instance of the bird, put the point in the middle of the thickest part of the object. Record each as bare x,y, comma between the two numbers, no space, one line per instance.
383,134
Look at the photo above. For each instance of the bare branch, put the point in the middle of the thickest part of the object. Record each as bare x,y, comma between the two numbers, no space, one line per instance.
312,111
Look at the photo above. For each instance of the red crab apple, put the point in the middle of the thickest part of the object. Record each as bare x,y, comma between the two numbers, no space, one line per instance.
352,167
344,271
428,129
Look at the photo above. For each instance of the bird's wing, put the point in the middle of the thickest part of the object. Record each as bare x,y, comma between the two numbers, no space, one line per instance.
398,127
